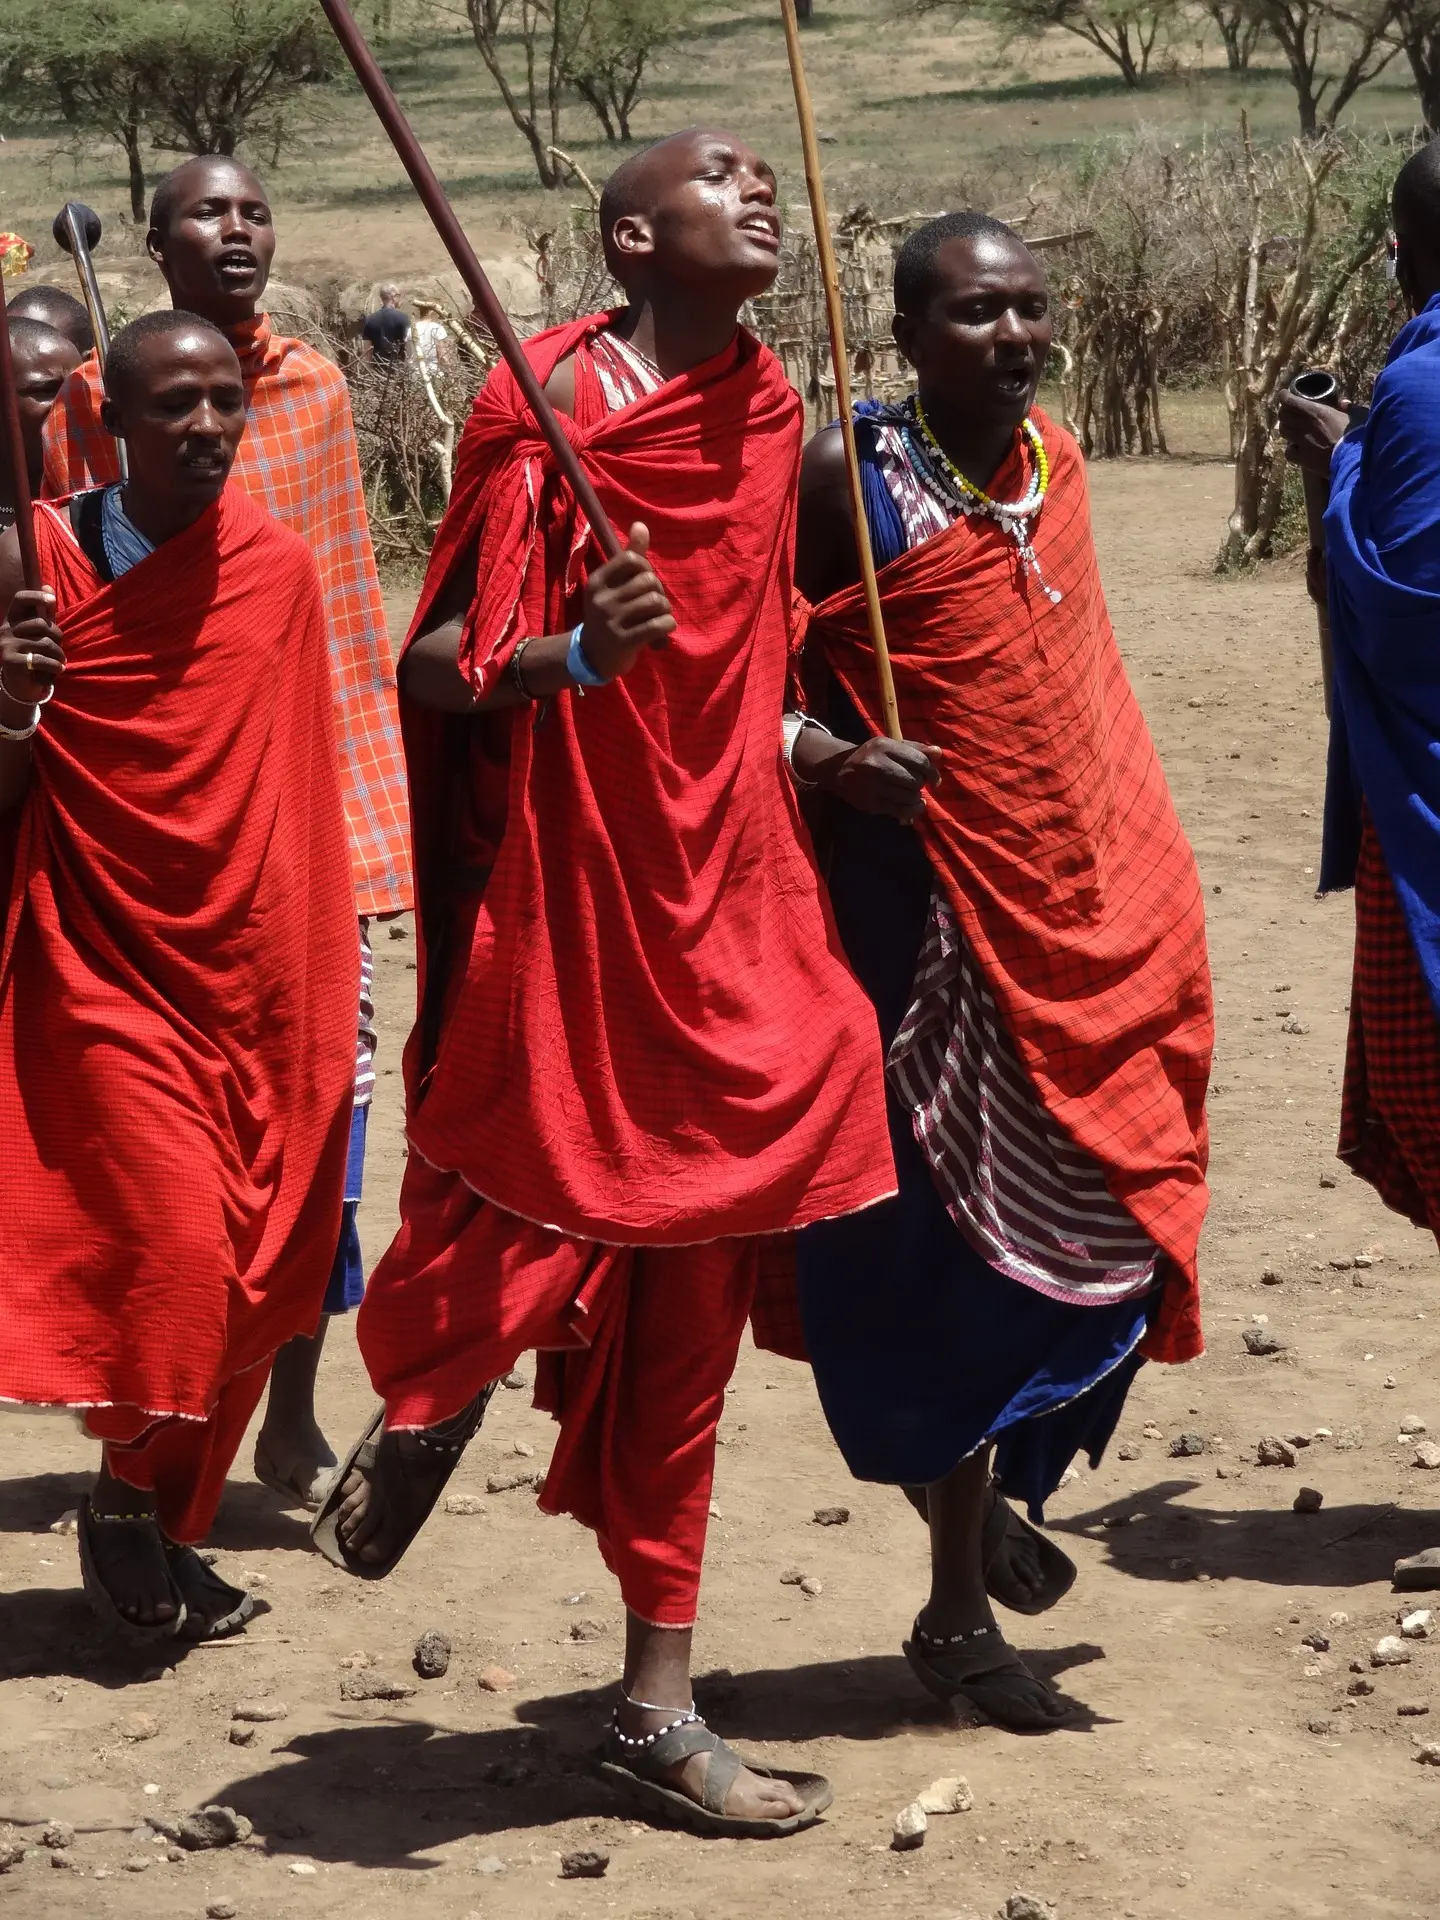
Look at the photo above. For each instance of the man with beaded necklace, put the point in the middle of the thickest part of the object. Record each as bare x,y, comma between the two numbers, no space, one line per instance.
1021,905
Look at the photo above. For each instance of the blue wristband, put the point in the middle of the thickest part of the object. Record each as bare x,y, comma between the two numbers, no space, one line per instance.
578,666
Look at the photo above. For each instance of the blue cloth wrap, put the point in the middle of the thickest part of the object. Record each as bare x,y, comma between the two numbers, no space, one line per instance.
922,1351
347,1276
1382,562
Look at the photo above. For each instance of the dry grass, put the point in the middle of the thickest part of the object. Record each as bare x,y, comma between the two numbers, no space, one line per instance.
916,114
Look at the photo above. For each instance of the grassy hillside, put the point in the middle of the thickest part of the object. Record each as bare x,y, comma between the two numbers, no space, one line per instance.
916,115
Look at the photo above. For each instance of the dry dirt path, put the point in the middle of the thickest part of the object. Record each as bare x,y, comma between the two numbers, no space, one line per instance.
1193,1784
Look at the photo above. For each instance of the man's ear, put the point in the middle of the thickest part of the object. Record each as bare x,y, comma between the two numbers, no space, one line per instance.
903,328
633,236
154,246
110,419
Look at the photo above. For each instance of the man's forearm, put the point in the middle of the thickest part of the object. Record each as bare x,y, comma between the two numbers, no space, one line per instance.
431,677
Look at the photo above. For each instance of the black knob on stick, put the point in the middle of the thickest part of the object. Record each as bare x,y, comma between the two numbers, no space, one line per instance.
86,222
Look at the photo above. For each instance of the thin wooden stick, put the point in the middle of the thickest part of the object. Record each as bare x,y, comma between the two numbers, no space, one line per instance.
443,217
15,449
840,360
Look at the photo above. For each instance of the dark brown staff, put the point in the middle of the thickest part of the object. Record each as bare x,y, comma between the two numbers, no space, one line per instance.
432,197
15,453
77,229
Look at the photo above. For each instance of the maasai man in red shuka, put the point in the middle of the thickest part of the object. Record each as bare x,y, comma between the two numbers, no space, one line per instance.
1020,903
640,1055
213,237
177,970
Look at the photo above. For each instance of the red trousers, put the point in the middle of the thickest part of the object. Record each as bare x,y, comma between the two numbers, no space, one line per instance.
637,1345
184,1463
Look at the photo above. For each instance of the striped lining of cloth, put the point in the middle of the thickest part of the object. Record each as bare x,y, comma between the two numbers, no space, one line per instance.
1026,1197
367,1039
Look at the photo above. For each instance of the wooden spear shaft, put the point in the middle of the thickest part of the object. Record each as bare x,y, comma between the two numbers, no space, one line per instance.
443,217
840,360
15,453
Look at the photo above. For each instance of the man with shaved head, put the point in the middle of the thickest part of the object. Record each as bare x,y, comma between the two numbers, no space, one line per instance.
177,971
1022,907
43,360
213,237
640,1061
1382,802
53,307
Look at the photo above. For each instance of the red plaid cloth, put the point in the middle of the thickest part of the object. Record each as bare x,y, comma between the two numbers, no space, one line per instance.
298,459
1390,1107
1054,835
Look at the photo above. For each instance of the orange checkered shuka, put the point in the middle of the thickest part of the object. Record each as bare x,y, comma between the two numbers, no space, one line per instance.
299,460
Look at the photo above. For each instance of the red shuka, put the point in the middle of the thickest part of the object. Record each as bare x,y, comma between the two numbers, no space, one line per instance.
657,1040
178,977
1056,840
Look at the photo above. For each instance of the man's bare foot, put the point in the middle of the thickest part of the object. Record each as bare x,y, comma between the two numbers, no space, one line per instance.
295,1465
373,1518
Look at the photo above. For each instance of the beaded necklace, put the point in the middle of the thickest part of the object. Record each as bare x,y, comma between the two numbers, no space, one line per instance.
938,472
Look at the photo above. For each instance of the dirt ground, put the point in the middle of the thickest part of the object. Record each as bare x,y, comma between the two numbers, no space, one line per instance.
1218,1765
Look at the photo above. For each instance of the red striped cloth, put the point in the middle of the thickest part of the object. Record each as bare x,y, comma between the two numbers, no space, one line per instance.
1057,843
299,460
1390,1107
657,1040
178,975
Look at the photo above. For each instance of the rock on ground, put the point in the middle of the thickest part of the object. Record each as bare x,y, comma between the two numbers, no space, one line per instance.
909,1829
950,1794
587,1864
1274,1452
372,1686
1027,1906
432,1655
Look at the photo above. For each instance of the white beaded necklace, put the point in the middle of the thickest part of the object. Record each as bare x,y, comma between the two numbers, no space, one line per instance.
938,473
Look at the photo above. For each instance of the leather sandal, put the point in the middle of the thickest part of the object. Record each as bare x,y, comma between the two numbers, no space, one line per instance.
406,1489
141,1534
635,1765
980,1666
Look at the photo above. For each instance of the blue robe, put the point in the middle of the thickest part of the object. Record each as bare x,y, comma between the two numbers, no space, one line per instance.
1382,559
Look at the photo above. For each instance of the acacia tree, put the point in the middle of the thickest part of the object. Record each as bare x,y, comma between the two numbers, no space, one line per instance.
607,55
523,45
1416,27
1125,31
1331,49
188,76
1240,29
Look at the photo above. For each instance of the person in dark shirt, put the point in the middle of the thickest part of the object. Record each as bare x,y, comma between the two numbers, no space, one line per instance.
387,330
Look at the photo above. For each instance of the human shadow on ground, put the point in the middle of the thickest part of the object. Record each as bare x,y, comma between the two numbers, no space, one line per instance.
251,1517
53,1633
1342,1546
868,1698
390,1792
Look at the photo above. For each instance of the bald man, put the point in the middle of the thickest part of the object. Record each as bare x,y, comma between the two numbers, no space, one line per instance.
174,1093
634,1025
43,360
1382,805
212,235
58,309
